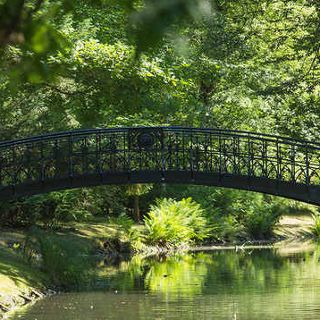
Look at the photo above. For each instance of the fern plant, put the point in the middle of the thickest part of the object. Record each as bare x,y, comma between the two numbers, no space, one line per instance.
172,222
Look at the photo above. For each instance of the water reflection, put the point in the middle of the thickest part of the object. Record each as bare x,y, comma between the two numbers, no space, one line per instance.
251,284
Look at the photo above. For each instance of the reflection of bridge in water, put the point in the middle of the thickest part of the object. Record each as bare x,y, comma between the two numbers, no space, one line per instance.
234,159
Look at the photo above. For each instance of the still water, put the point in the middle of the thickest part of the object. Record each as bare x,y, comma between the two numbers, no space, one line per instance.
256,284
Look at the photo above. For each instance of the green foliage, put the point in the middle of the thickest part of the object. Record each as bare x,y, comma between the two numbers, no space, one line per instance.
257,213
35,27
158,16
260,220
49,209
18,213
123,222
63,206
228,228
249,214
235,215
316,227
65,259
171,222
221,67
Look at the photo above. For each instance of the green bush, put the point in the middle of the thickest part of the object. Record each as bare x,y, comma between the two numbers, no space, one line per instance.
19,213
236,215
260,220
316,227
127,235
49,209
122,222
64,258
63,206
230,229
172,222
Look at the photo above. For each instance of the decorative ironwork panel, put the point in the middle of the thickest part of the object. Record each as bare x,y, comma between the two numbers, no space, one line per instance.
145,149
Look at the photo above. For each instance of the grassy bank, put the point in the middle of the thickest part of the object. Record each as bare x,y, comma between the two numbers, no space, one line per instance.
20,283
31,261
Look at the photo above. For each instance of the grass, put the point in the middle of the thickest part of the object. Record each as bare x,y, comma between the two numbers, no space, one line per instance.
17,279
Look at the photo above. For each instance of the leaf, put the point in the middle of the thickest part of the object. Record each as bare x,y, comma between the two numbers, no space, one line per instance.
148,26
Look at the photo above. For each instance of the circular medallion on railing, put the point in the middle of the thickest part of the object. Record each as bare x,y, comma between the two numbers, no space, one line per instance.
145,140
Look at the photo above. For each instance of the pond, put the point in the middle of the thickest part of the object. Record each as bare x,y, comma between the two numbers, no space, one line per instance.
250,284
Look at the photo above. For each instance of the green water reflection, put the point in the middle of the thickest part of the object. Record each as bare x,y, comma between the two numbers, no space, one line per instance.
251,284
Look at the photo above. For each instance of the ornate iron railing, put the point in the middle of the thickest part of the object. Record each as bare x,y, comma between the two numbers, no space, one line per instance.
244,160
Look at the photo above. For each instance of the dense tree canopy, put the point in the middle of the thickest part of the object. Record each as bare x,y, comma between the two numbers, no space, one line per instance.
250,65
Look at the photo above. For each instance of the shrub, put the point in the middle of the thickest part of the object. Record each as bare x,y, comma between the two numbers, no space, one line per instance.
172,222
230,229
122,222
64,258
127,236
62,206
316,227
260,220
18,213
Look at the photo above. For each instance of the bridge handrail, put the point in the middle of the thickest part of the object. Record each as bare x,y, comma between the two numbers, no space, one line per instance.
225,132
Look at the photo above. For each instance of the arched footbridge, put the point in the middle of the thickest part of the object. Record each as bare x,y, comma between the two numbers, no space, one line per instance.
225,158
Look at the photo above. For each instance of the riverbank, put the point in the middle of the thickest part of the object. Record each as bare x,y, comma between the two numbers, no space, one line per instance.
36,262
22,282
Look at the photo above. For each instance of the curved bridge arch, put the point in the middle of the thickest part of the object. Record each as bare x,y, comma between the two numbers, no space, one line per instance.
226,158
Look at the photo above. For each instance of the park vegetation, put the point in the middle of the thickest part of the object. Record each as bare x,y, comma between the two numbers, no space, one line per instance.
248,65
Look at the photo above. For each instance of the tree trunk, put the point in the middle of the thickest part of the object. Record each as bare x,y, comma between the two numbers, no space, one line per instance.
136,208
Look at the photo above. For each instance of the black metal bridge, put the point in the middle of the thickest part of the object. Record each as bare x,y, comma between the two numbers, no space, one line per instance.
234,159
